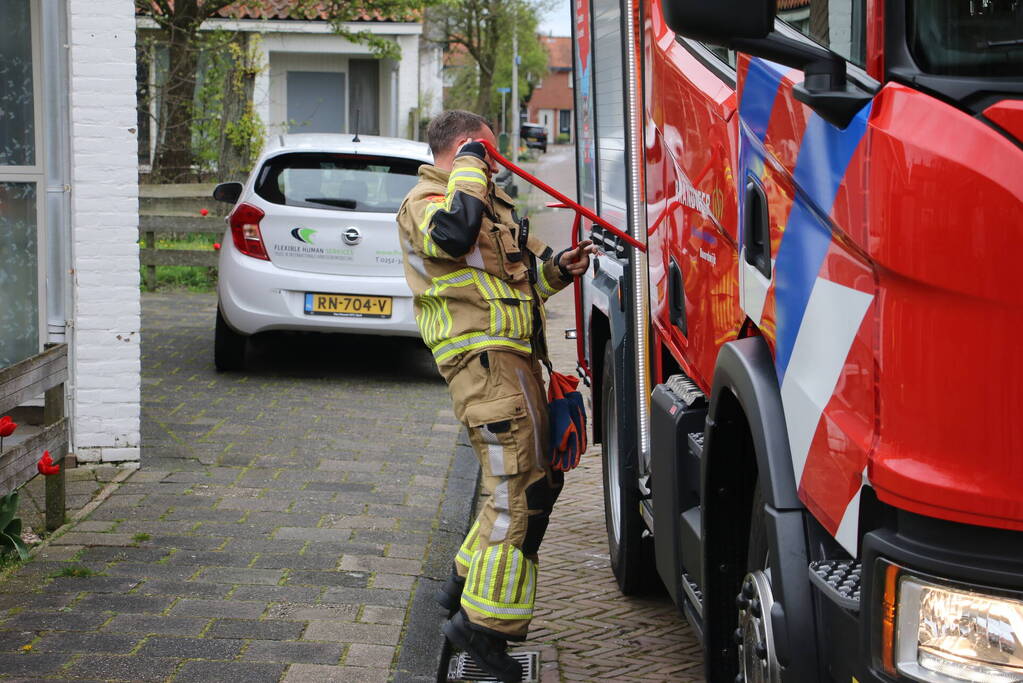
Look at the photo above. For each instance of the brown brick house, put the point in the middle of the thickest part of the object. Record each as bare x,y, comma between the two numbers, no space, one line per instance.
551,102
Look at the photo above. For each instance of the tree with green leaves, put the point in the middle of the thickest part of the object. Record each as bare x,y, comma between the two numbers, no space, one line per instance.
179,22
484,29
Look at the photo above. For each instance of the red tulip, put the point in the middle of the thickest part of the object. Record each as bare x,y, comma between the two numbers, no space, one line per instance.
204,212
7,426
216,246
46,466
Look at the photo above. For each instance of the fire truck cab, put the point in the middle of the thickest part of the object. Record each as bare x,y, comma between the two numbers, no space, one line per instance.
807,383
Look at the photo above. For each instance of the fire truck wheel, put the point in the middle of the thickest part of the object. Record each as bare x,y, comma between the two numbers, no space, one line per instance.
758,662
757,548
631,554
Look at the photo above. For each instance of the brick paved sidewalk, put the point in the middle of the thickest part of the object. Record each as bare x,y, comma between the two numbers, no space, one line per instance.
277,529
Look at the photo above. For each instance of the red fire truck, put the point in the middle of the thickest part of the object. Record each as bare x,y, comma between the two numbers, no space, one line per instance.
807,369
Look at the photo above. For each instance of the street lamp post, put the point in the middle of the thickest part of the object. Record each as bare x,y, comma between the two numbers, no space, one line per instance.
515,92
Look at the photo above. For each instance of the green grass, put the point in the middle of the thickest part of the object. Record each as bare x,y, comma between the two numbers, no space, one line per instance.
190,278
9,561
141,538
74,570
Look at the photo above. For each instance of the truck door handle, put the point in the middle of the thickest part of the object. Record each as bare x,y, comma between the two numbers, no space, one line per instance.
677,298
756,227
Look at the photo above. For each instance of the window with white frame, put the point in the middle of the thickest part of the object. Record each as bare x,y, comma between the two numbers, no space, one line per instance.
21,182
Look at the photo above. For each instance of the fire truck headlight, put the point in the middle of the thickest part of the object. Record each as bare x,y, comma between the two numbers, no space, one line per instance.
956,633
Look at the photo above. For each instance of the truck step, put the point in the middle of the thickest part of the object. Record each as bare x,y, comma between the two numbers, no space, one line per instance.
690,539
693,592
685,389
695,441
692,606
839,580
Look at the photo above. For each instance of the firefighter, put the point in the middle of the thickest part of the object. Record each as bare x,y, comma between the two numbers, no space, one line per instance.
479,282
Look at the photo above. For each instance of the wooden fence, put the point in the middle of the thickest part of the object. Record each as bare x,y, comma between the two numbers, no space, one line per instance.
175,209
151,257
44,374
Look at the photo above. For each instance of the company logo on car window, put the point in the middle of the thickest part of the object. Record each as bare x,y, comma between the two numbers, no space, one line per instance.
303,235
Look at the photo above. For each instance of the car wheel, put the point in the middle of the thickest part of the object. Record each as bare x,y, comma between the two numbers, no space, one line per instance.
228,346
631,554
543,149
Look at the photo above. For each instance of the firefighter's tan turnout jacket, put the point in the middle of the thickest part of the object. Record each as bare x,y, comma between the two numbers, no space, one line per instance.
465,265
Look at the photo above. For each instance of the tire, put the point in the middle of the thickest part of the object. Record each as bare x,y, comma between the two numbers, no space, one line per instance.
228,346
757,547
631,554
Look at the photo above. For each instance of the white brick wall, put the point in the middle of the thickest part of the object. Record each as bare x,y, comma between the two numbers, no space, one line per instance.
104,225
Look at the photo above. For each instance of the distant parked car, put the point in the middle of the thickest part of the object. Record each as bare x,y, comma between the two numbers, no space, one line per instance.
534,135
312,242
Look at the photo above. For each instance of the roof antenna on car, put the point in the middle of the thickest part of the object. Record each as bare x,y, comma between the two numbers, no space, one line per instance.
356,138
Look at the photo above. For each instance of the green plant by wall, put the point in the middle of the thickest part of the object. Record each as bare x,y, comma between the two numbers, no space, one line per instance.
10,527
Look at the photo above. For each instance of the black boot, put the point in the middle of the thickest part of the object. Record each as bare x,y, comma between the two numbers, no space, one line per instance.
450,594
489,652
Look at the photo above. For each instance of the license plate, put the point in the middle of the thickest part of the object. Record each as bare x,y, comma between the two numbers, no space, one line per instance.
348,305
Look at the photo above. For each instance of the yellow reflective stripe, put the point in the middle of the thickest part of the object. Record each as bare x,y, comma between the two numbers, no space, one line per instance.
462,178
511,581
458,278
475,340
466,174
448,319
469,545
426,322
506,569
503,572
529,594
429,247
513,321
495,612
493,558
472,580
546,290
496,320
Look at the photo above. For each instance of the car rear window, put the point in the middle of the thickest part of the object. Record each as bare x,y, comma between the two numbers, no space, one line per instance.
341,182
534,130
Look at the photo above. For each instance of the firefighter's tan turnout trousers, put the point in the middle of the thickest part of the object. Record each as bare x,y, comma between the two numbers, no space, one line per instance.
499,396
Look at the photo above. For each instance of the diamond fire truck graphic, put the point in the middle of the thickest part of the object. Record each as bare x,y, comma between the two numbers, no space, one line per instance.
303,235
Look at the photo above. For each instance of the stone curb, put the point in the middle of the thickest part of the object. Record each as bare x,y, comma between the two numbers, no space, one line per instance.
425,651
104,493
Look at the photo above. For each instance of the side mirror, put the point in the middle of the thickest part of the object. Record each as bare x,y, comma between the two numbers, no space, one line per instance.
748,26
228,192
720,21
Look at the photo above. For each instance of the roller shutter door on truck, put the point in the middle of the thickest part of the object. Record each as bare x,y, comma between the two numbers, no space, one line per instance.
610,111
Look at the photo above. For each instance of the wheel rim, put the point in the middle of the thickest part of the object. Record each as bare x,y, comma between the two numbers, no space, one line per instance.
613,477
758,661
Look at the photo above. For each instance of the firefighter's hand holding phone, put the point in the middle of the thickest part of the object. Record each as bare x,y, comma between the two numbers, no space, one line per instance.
575,261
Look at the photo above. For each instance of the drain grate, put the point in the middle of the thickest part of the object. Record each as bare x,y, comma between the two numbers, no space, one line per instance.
462,668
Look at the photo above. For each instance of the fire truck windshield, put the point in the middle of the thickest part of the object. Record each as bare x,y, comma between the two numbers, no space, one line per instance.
981,38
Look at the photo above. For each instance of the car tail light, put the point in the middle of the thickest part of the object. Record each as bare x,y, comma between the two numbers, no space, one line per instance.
244,221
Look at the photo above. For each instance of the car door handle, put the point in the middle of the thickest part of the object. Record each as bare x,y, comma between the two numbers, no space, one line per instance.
756,227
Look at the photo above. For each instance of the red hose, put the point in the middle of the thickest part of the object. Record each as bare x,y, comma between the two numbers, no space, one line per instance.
575,206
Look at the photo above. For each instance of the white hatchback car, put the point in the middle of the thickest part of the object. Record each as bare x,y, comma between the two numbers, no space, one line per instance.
312,242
